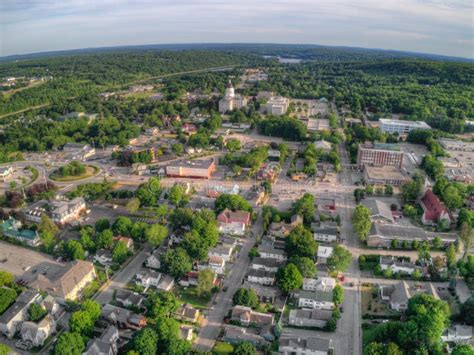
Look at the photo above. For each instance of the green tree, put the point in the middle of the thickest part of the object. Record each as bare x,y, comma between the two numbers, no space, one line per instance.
289,278
6,278
409,211
233,145
305,207
46,225
417,275
102,224
463,349
205,283
133,205
437,242
176,262
7,297
177,148
359,195
412,190
122,226
300,242
36,312
104,239
467,311
48,242
340,259
4,350
231,202
92,308
466,236
245,297
81,322
149,192
244,348
388,190
393,349
177,195
156,233
69,344
305,265
361,222
338,295
450,255
75,251
120,252
161,304
145,342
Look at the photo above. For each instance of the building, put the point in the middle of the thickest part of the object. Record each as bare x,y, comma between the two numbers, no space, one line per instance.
122,318
326,205
189,128
246,316
126,298
67,282
37,333
380,211
456,145
319,284
261,277
325,234
315,299
433,209
166,283
386,175
153,261
5,172
16,314
323,254
265,294
305,346
323,145
187,313
457,333
231,100
269,252
133,155
199,169
236,335
396,266
223,251
399,294
401,127
147,278
379,154
106,344
277,105
186,332
281,229
103,257
125,240
60,211
312,318
381,235
79,150
234,222
11,228
215,263
266,264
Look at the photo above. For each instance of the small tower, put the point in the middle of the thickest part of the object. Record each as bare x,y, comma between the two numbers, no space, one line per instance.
229,91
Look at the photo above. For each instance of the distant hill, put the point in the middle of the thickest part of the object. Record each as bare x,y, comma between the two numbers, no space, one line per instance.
300,51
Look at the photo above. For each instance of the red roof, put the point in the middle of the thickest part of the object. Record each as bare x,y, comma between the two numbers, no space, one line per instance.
228,216
432,206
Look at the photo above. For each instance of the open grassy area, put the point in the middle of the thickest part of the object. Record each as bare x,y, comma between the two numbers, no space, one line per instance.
90,171
189,296
221,348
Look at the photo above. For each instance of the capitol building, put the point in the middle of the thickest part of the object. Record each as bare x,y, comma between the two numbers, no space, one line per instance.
231,100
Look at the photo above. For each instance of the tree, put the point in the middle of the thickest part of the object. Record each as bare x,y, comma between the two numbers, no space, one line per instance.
70,344
244,348
4,350
205,283
104,239
374,348
138,230
417,275
388,190
338,295
359,195
36,312
75,251
6,278
231,202
463,349
46,225
133,205
361,222
466,236
120,252
289,278
145,342
195,245
233,145
149,192
48,242
122,226
412,190
305,265
437,242
161,304
305,207
86,239
7,297
369,189
177,195
93,308
81,322
394,244
245,297
450,255
176,262
340,259
102,224
177,148
300,242
156,233
467,311
409,211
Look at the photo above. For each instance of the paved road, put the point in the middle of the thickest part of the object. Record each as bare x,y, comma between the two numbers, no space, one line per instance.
223,300
121,279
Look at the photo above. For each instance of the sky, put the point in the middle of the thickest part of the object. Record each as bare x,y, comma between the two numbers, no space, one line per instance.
427,26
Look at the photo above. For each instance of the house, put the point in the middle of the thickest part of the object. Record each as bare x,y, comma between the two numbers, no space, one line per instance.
323,254
147,278
5,172
261,277
187,313
223,251
122,318
265,294
271,265
233,222
189,128
315,299
152,131
246,316
191,279
186,332
125,240
380,211
325,234
457,333
236,335
103,257
281,229
305,346
397,266
37,333
309,317
269,252
11,228
399,294
67,282
60,212
153,261
215,263
326,205
319,284
53,307
126,298
166,283
433,209
16,314
106,344
323,145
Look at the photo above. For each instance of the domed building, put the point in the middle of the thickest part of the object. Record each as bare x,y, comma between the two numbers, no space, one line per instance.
231,100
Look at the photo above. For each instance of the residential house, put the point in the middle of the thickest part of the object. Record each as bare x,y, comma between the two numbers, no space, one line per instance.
305,346
433,209
265,294
106,344
186,332
315,299
127,241
237,335
103,257
325,234
319,284
246,316
52,306
309,317
323,254
281,229
215,263
223,251
16,314
261,277
147,278
37,333
324,145
271,265
5,172
234,222
127,298
326,205
11,228
458,334
122,318
166,283
67,282
399,294
187,313
392,263
269,252
380,211
153,261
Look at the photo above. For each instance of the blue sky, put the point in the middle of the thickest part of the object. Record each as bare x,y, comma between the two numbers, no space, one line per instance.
430,26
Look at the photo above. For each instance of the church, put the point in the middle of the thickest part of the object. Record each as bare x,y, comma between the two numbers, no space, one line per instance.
231,100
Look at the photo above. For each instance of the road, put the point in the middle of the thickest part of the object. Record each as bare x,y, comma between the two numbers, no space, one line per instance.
121,279
223,300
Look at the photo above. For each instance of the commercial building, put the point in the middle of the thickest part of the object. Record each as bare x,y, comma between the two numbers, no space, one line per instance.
231,100
277,105
387,175
199,169
60,211
379,154
401,127
11,228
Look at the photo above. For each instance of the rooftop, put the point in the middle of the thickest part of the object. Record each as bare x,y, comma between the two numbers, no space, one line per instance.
384,172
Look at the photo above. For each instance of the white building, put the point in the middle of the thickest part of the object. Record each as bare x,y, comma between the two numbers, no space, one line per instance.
37,333
261,277
305,346
315,299
147,278
324,253
401,127
215,263
231,100
277,105
269,252
325,234
16,314
397,266
319,284
153,261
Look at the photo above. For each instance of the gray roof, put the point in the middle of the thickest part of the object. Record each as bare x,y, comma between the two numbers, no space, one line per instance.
391,231
133,297
270,249
21,302
400,293
378,208
200,164
261,273
309,343
267,262
325,230
261,291
325,296
318,314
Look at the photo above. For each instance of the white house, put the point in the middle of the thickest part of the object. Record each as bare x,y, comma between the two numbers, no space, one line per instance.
147,278
325,234
103,257
315,299
323,254
153,261
37,333
397,266
223,251
166,283
16,314
319,284
261,277
269,252
215,263
305,346
271,265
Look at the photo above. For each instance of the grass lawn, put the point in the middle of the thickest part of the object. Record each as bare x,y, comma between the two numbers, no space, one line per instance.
90,171
222,348
189,296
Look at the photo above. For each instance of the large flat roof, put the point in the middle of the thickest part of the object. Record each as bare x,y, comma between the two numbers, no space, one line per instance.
416,124
384,172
